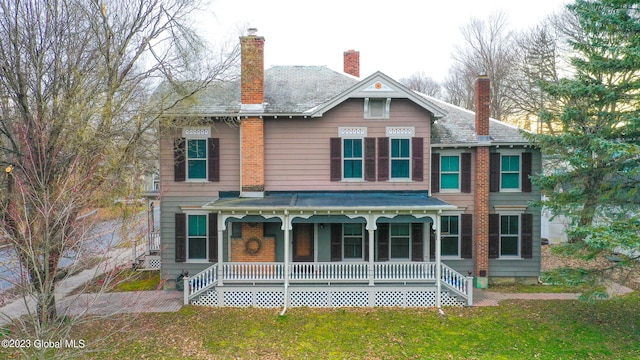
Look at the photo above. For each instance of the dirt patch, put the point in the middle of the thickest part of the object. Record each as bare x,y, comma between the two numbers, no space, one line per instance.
628,276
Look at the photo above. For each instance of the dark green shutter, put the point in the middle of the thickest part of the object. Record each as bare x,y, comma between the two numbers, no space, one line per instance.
466,236
179,159
417,242
527,236
336,242
383,242
181,237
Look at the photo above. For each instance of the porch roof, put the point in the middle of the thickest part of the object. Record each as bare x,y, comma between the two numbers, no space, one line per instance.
332,200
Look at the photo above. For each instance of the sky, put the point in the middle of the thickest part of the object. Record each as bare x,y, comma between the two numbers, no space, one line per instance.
396,37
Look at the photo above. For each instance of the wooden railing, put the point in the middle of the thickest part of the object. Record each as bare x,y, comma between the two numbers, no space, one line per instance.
153,242
309,272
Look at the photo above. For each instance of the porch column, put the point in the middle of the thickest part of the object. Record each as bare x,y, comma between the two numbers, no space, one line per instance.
438,263
286,227
220,249
372,271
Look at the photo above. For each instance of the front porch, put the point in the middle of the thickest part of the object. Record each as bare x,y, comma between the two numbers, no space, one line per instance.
329,284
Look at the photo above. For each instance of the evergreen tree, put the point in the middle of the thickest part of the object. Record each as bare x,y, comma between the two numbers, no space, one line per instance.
593,165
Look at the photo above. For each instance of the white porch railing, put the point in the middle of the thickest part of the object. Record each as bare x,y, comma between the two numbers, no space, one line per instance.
384,272
253,272
409,271
153,242
329,271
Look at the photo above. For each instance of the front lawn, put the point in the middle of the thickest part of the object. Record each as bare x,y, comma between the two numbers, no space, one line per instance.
514,330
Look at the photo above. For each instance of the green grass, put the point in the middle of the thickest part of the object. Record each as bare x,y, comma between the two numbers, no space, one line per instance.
537,288
139,281
515,330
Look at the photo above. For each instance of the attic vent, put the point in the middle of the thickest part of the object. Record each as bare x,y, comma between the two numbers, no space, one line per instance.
376,108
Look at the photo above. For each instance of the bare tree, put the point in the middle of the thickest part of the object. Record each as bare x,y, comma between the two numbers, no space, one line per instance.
487,49
76,78
422,83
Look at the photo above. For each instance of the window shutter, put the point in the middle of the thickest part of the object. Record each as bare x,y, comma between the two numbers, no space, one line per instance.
336,159
336,242
181,239
466,236
383,242
465,173
417,159
417,242
366,245
383,159
526,172
435,173
179,161
494,171
527,236
432,244
494,236
213,237
370,159
214,159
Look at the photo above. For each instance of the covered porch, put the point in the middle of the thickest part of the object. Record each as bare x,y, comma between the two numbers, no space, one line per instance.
329,249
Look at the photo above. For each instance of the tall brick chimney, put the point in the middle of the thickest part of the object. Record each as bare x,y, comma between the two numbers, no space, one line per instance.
481,217
352,62
252,127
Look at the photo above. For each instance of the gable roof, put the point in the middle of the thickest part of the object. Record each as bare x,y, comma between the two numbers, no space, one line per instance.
310,91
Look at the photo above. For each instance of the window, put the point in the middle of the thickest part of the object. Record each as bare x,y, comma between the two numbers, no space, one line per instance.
352,158
450,236
509,230
450,172
400,158
236,230
510,172
353,241
196,159
197,237
376,108
400,240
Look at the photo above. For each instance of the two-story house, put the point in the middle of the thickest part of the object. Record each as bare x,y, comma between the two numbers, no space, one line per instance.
303,186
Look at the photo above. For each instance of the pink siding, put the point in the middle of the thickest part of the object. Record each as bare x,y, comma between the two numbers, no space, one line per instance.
297,150
229,165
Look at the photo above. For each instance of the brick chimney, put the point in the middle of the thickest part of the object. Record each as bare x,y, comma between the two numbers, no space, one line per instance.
352,62
481,196
252,126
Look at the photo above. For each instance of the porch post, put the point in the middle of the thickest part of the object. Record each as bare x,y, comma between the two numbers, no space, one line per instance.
371,227
286,228
220,249
438,263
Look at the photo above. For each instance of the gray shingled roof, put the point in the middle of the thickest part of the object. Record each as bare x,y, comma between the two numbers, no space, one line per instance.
459,127
296,90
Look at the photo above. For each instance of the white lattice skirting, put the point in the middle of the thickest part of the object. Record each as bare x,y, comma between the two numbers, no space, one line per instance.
152,262
325,297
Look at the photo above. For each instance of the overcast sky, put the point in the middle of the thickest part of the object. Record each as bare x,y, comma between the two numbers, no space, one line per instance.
397,37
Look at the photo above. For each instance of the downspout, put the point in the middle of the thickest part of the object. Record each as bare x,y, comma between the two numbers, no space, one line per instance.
286,261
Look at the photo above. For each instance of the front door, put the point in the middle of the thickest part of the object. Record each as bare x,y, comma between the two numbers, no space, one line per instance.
302,242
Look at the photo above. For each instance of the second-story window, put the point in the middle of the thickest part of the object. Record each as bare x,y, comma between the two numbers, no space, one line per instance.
510,172
352,158
450,172
196,159
400,158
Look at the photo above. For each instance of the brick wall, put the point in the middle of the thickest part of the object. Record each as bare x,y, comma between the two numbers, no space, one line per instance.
482,101
267,252
252,65
252,154
352,62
